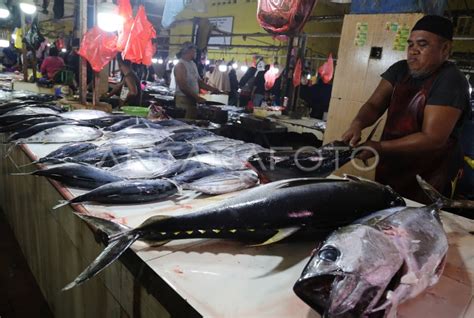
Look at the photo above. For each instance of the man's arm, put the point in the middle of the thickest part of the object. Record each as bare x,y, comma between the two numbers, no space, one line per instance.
372,110
180,78
117,88
132,89
438,124
208,87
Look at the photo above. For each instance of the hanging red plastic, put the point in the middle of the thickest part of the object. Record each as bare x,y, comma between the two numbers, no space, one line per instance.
284,16
98,48
125,11
297,74
139,48
327,70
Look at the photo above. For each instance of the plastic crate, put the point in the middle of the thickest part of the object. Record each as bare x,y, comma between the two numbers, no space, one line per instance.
135,110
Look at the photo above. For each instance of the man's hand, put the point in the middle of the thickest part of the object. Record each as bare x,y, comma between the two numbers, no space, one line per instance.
352,135
369,149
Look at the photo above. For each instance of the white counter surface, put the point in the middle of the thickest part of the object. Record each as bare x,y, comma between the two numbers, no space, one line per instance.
221,278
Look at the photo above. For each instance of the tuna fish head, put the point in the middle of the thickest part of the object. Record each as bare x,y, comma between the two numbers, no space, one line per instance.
348,275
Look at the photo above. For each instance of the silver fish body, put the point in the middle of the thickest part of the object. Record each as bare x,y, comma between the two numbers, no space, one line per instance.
219,160
141,168
224,182
84,114
134,141
63,134
378,262
31,111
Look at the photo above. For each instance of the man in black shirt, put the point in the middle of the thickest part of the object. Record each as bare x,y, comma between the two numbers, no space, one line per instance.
427,101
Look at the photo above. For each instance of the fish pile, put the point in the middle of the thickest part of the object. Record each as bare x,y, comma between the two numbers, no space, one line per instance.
127,159
368,268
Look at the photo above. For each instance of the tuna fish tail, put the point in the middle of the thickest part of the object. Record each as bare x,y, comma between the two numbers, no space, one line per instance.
22,173
61,204
29,164
112,252
440,200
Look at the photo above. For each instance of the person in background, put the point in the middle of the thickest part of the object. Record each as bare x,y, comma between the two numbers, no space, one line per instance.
246,86
427,101
52,64
258,91
10,58
234,86
129,89
188,81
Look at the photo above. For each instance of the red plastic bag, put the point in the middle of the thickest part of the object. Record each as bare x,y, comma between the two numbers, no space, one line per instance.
327,70
98,48
284,16
270,77
297,74
125,10
139,48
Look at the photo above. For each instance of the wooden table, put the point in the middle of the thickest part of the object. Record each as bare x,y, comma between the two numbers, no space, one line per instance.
184,278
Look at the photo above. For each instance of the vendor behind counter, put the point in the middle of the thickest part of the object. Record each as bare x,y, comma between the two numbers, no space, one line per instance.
128,90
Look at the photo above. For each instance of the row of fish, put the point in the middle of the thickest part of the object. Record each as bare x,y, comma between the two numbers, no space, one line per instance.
133,160
380,254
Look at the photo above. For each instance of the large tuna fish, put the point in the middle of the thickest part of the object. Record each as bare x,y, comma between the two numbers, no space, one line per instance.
270,213
368,268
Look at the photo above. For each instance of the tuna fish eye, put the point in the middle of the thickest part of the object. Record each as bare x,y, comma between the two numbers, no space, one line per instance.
329,253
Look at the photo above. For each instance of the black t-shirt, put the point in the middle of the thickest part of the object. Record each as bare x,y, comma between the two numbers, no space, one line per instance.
450,88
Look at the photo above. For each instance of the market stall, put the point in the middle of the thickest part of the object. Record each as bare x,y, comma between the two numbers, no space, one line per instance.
198,277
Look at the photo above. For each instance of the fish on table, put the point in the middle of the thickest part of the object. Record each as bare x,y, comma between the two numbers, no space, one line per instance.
77,175
368,268
224,182
63,134
268,213
126,192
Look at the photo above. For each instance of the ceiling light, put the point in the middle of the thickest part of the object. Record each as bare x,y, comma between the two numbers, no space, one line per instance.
28,6
244,68
4,43
108,18
235,65
222,68
175,61
160,61
207,62
154,60
63,50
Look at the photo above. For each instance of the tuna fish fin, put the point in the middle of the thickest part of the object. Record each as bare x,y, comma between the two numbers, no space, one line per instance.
106,226
108,255
176,184
280,235
61,204
22,173
440,200
29,164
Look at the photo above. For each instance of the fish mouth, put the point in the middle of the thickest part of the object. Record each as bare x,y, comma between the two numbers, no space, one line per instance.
337,295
